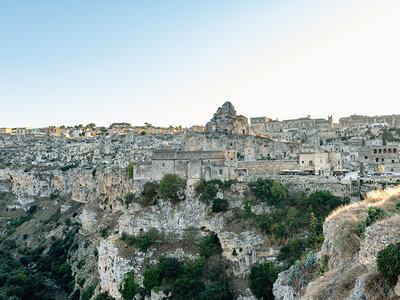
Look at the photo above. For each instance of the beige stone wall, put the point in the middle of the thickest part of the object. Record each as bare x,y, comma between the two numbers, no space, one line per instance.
263,167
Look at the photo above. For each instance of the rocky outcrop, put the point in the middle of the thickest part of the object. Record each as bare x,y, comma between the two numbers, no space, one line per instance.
225,120
351,272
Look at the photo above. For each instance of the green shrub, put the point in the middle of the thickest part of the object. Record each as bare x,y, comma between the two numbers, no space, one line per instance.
261,188
270,191
129,198
81,281
170,267
324,264
103,232
209,245
128,238
88,293
149,193
322,203
67,167
374,214
398,205
216,290
129,287
103,296
261,280
169,187
209,193
291,252
151,279
183,279
388,262
129,169
143,240
220,205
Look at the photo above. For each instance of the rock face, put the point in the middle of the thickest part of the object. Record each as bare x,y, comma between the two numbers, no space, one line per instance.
103,217
225,120
352,269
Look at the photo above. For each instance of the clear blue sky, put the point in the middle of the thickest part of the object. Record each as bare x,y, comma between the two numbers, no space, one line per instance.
174,62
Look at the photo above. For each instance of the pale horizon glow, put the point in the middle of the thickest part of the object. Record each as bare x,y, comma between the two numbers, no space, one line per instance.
174,63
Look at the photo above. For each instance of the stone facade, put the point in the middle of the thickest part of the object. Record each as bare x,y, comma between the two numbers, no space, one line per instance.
320,163
358,121
380,159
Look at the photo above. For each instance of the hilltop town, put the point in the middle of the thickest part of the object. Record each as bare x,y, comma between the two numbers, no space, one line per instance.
227,147
292,209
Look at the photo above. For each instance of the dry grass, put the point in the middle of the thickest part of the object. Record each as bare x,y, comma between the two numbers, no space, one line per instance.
322,287
384,199
338,284
346,241
347,281
377,289
271,241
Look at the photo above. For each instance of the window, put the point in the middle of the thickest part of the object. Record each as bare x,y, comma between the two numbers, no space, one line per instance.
392,161
383,159
220,171
310,163
366,157
384,150
389,150
380,151
377,159
394,150
375,151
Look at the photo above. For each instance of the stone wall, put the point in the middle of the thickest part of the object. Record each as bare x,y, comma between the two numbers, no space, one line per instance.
263,167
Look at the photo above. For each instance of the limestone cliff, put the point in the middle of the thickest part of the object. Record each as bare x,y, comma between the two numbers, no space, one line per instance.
351,271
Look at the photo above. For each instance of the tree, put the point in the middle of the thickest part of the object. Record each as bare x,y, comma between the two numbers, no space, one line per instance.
262,278
129,287
388,262
169,187
91,125
216,290
210,245
278,192
170,267
151,279
149,193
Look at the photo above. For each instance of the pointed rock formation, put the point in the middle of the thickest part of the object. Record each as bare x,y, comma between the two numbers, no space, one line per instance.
226,121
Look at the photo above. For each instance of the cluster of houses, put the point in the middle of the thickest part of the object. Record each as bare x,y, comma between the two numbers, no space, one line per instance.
227,147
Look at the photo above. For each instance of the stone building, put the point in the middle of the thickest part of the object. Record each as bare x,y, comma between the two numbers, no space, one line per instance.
269,127
21,131
6,130
52,131
359,121
320,163
191,165
380,159
226,121
241,147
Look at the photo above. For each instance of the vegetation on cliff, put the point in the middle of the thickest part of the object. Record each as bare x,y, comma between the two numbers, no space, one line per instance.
36,274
